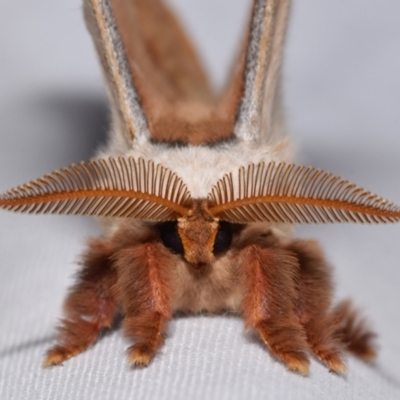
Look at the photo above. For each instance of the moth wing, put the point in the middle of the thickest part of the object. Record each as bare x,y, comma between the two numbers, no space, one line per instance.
156,82
253,93
280,192
112,187
129,120
145,56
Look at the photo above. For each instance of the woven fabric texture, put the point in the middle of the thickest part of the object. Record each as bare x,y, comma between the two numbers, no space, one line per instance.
341,86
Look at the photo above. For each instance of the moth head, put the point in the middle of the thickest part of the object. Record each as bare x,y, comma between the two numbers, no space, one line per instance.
157,99
199,229
198,236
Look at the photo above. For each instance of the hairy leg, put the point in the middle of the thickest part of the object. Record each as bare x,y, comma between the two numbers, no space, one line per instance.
269,303
144,295
89,307
330,332
314,302
353,331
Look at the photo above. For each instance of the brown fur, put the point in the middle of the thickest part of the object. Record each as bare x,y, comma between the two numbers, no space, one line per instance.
197,231
282,290
313,305
90,305
354,332
268,306
144,295
174,90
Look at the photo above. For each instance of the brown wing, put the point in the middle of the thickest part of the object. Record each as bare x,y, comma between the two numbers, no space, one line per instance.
159,88
173,88
129,119
113,187
294,194
160,56
253,94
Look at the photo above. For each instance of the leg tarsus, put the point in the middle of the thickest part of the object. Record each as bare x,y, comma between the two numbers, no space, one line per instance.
147,330
56,356
140,355
324,343
75,336
287,343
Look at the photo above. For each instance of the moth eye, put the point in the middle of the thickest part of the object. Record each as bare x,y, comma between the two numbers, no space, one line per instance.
169,236
223,239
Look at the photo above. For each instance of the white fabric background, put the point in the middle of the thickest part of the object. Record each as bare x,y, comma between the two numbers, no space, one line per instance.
342,90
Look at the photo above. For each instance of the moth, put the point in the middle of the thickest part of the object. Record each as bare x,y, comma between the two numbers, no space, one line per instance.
196,194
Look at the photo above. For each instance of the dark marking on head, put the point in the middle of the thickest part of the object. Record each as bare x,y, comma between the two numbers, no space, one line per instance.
223,238
169,236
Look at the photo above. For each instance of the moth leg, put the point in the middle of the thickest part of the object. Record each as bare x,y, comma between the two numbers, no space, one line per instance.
144,295
353,331
147,329
89,307
314,304
269,303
